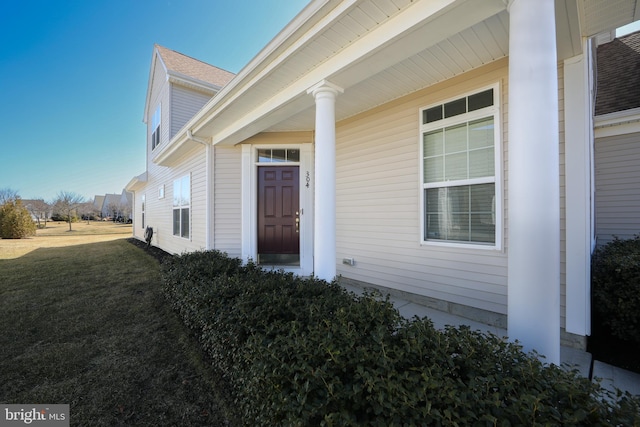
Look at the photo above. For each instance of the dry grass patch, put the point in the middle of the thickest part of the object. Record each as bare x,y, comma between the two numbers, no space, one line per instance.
84,322
57,235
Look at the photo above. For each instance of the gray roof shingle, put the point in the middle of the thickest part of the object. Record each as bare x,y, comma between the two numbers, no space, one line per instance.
618,75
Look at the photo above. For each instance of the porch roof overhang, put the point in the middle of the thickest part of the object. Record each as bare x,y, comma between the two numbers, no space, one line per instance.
136,182
377,51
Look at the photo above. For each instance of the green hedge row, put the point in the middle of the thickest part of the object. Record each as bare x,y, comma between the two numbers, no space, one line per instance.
303,352
616,287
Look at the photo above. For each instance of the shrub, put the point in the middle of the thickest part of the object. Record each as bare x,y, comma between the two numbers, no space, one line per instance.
296,351
15,221
616,287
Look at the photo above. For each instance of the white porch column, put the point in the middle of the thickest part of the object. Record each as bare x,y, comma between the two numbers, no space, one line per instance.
533,184
324,247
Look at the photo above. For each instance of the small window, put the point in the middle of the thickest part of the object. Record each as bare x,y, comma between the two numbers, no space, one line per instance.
280,155
142,209
155,126
181,206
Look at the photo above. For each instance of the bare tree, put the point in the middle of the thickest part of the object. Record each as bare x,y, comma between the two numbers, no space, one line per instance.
7,195
88,210
67,204
113,210
39,209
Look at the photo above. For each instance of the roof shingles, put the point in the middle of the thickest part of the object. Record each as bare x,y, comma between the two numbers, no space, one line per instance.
185,65
618,74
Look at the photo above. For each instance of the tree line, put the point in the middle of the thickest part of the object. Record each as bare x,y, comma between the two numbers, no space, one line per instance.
20,218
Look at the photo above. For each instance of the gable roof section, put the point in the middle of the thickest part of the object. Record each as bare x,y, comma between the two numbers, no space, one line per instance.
185,70
178,64
618,75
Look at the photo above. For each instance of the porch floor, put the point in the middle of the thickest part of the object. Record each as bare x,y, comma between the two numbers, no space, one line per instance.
611,377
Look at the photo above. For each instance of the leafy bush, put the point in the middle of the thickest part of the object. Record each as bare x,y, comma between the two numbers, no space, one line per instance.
296,351
15,220
616,287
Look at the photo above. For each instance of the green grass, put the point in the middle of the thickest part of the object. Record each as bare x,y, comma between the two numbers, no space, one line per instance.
87,325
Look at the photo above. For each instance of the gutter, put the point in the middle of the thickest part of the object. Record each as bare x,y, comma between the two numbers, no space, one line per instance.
190,137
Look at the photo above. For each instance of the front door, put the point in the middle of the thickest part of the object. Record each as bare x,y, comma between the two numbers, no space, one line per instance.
278,215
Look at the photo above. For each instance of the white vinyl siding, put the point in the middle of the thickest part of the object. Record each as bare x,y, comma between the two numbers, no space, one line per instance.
228,200
159,211
185,103
379,204
617,164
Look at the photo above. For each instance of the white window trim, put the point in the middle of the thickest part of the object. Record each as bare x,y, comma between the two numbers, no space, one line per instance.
495,110
180,207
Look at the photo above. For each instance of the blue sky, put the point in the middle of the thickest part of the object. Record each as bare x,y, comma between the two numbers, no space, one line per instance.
73,80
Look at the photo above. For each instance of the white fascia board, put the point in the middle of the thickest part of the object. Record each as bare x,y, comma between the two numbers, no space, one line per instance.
355,61
617,117
242,80
154,56
186,80
605,123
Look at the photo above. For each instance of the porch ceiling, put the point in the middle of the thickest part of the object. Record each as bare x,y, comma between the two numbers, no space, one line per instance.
379,50
484,42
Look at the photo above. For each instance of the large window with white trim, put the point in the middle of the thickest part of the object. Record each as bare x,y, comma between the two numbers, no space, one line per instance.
460,170
181,206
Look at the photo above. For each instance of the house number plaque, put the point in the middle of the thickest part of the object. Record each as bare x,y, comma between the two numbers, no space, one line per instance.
308,179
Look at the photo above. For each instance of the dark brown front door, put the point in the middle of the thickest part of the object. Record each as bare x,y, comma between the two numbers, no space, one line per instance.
278,215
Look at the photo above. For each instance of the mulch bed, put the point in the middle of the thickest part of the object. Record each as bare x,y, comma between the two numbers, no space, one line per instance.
154,251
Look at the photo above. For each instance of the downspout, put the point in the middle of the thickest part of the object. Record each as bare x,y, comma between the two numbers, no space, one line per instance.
209,177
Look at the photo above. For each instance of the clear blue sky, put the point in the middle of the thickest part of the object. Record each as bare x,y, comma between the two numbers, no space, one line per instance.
73,80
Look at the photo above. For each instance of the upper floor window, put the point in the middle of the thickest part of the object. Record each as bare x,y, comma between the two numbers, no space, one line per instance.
181,206
460,170
155,128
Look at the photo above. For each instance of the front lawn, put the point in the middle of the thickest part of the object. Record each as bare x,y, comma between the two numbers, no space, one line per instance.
86,324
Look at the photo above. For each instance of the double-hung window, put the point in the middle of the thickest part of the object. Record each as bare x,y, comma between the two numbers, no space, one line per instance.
155,128
460,170
181,206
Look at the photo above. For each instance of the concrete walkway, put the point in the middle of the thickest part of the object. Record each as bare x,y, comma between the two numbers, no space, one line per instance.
611,377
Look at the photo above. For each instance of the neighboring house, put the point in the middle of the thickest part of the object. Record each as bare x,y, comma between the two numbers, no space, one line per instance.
38,208
114,206
435,148
98,202
126,205
110,206
617,144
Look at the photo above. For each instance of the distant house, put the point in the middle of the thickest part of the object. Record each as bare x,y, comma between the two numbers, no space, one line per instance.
98,201
435,149
114,206
38,208
110,206
617,139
